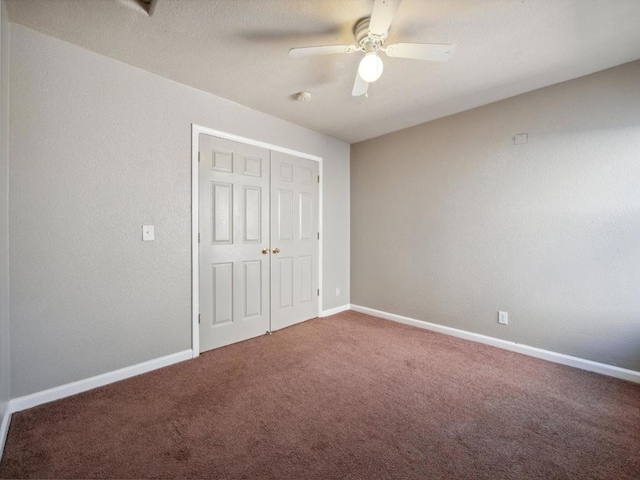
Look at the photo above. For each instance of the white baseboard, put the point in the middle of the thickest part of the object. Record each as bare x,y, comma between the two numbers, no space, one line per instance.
56,393
555,357
333,311
4,429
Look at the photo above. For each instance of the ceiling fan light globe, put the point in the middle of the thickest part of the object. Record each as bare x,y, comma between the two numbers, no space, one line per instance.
370,67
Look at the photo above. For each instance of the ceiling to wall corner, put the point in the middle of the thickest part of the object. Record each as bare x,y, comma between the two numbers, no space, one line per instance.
238,50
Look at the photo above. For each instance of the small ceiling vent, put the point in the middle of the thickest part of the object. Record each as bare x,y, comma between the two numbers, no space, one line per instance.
143,6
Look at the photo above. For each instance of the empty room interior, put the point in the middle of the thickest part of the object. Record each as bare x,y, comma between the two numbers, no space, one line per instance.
320,239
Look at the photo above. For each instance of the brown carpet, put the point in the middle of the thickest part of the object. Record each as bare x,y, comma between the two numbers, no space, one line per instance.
349,396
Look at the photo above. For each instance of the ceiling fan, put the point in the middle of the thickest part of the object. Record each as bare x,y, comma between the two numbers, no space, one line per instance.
370,34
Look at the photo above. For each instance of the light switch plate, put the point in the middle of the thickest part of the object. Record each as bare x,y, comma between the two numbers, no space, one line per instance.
148,233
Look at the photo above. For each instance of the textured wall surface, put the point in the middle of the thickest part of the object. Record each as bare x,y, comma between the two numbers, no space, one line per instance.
99,148
4,210
452,222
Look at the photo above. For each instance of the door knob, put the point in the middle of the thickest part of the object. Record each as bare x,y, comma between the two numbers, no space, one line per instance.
265,251
276,250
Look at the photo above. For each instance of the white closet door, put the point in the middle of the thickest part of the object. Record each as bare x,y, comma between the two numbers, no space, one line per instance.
234,233
294,240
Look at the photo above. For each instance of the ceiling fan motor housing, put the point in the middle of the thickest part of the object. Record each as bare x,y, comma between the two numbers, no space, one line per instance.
364,38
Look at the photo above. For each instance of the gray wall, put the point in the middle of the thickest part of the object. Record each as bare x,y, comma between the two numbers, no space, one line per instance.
452,222
99,148
4,211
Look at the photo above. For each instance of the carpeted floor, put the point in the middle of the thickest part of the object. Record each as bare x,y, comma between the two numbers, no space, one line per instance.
348,396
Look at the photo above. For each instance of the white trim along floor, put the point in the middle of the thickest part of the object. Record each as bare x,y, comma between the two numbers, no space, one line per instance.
62,391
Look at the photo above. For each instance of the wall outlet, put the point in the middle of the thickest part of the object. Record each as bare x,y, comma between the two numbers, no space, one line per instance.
337,291
503,318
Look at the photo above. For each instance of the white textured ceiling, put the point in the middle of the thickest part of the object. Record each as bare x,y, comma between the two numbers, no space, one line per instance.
238,50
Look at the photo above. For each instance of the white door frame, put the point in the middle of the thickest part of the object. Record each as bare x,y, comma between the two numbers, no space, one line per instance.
196,130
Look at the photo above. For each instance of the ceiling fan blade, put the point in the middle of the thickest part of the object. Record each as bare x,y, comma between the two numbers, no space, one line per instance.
360,87
382,15
323,50
434,52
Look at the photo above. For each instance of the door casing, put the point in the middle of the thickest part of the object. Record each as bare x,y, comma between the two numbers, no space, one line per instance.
196,130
